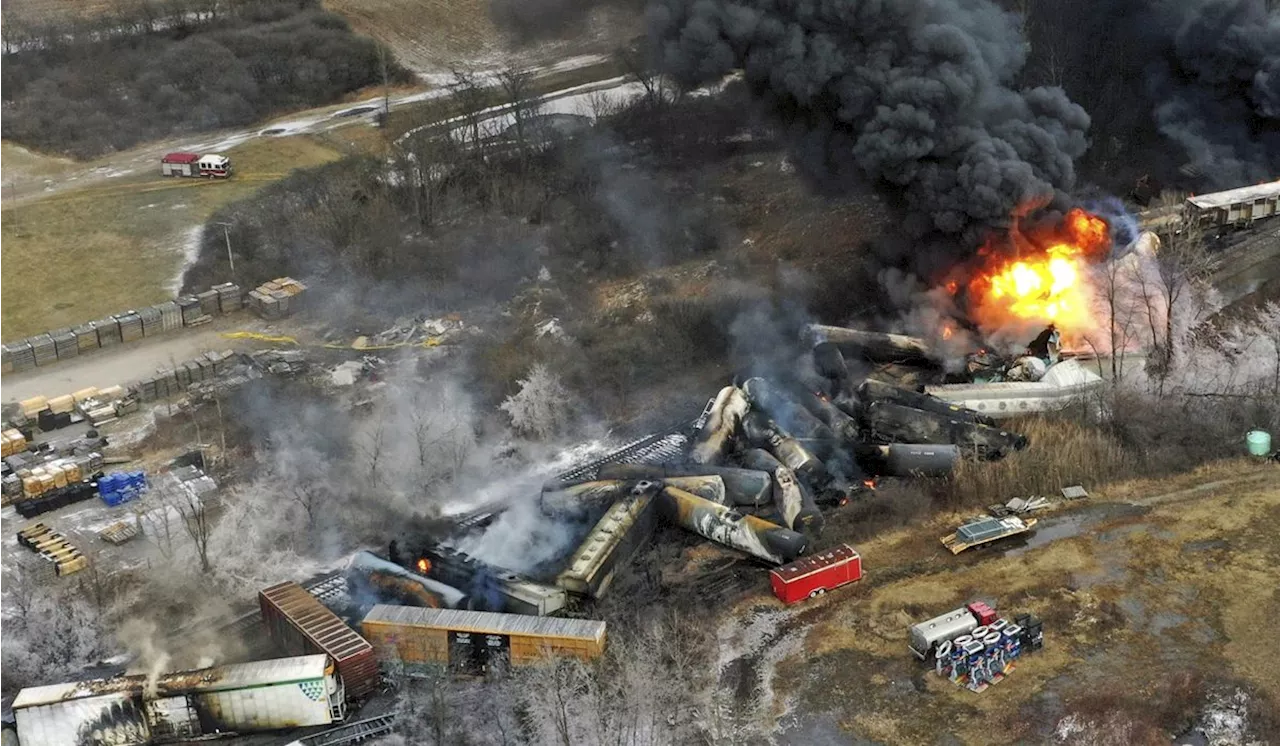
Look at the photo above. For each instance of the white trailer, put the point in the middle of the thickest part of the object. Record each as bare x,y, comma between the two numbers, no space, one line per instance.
224,700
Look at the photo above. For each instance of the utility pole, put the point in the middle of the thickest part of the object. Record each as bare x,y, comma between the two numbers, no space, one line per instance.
226,234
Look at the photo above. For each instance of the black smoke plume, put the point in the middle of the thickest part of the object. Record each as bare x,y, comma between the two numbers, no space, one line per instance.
1216,87
916,94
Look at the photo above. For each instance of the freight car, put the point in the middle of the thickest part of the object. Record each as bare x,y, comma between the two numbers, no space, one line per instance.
180,706
299,624
810,577
368,574
1234,207
475,642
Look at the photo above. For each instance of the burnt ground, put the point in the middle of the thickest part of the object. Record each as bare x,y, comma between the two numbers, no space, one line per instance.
1155,596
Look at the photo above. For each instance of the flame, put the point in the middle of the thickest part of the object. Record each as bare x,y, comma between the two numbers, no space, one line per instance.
1044,278
424,565
869,483
946,332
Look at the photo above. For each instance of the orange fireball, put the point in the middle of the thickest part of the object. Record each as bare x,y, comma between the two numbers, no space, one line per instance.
1043,278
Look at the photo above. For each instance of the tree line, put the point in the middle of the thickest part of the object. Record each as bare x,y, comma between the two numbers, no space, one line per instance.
155,70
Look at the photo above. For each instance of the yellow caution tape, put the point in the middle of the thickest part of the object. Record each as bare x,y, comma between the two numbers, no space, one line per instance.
360,343
260,337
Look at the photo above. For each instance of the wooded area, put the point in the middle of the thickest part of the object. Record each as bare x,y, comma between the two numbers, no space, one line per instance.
156,71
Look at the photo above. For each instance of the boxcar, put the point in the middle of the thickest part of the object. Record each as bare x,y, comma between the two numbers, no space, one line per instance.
300,624
475,642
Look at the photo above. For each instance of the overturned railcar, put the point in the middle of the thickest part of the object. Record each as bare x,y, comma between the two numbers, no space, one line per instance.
182,706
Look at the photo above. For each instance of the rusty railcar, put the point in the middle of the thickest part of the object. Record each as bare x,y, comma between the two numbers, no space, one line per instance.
299,624
475,642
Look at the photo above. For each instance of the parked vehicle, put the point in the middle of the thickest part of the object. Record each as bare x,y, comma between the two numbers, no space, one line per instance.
812,576
193,164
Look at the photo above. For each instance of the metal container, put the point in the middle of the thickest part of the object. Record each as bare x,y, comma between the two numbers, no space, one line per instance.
795,503
299,624
715,439
925,636
744,487
615,537
186,705
369,576
475,642
723,525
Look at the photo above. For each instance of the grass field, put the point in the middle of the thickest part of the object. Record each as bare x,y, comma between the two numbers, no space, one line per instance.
104,248
433,35
1161,594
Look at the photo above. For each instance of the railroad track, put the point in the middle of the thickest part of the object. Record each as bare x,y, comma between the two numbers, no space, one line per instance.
662,448
353,732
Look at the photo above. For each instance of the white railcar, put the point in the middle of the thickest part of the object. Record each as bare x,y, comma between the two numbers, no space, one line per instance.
129,711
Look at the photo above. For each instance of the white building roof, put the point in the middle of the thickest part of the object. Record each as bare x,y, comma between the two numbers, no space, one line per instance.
1232,196
218,678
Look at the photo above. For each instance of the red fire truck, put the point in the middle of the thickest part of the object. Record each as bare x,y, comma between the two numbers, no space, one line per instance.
809,577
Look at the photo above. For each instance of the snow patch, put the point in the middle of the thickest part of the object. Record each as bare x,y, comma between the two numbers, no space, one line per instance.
190,253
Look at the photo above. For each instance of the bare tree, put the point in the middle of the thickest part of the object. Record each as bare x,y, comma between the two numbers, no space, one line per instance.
307,497
198,524
1182,264
472,97
521,100
371,446
21,591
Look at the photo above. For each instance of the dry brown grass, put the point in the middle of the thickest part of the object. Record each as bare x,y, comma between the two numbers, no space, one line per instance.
82,253
436,34
1061,453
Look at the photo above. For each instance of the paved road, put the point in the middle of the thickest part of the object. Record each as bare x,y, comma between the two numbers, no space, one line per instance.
126,363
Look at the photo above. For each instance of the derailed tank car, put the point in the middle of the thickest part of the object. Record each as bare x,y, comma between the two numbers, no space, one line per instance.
185,705
424,640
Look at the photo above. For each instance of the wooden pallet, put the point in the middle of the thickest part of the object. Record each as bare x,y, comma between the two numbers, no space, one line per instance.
54,548
119,532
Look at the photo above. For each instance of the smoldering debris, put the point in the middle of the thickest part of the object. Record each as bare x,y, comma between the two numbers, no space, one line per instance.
754,473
